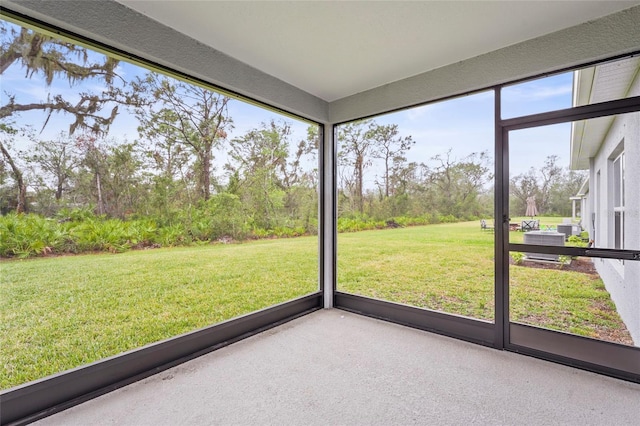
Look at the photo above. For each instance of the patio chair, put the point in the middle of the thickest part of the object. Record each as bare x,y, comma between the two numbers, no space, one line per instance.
530,225
484,226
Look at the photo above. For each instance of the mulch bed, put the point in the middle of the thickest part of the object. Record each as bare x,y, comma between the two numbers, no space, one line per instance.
580,264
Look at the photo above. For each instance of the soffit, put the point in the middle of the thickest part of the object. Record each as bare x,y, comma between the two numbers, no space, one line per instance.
336,49
605,82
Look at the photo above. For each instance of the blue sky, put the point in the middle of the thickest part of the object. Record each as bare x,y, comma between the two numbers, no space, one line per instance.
464,125
245,116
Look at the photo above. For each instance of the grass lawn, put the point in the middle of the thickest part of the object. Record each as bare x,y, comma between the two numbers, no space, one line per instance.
63,312
446,267
450,268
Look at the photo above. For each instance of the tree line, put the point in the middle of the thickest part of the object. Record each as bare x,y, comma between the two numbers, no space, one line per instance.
186,172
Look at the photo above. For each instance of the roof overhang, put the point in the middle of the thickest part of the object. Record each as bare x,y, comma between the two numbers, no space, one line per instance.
605,82
584,188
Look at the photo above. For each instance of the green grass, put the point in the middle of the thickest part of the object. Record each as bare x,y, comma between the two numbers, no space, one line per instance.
59,313
63,312
567,301
446,267
450,268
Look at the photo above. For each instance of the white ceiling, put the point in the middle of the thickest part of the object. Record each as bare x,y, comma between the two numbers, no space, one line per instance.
333,49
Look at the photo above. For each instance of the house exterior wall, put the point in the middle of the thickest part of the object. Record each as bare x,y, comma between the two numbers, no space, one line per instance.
622,279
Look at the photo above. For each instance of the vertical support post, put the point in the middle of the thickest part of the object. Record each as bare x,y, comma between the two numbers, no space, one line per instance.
501,220
327,233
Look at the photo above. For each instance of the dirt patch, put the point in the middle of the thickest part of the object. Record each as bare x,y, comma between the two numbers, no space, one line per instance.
608,334
581,264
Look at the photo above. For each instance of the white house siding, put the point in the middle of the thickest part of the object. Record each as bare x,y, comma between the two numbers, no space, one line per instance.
622,279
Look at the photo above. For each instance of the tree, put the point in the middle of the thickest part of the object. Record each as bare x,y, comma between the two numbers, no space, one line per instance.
109,175
163,147
169,162
521,187
56,159
458,184
537,184
193,116
390,148
94,157
39,54
8,133
550,173
260,160
566,186
356,145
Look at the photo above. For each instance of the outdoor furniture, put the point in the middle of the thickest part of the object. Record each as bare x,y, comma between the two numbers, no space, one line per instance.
484,226
530,225
514,227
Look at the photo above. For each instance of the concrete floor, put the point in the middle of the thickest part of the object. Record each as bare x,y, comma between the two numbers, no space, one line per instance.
333,368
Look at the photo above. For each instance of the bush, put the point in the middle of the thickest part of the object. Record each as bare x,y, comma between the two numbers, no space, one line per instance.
518,257
97,235
142,233
261,233
76,215
220,218
574,240
447,219
30,235
411,221
171,235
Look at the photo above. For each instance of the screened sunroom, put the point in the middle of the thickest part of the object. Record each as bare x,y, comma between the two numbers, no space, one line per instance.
319,212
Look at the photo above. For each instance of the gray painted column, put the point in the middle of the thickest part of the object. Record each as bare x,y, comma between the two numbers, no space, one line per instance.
328,202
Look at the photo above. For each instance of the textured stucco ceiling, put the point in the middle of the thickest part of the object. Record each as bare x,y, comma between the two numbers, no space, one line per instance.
334,49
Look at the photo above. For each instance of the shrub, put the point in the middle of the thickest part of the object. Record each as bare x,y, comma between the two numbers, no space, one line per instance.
142,233
574,240
171,235
518,257
447,219
101,235
261,233
563,260
75,215
411,221
30,235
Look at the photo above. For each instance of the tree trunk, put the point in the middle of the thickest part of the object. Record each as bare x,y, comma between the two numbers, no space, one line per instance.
21,206
99,187
386,176
22,198
59,189
206,174
359,184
